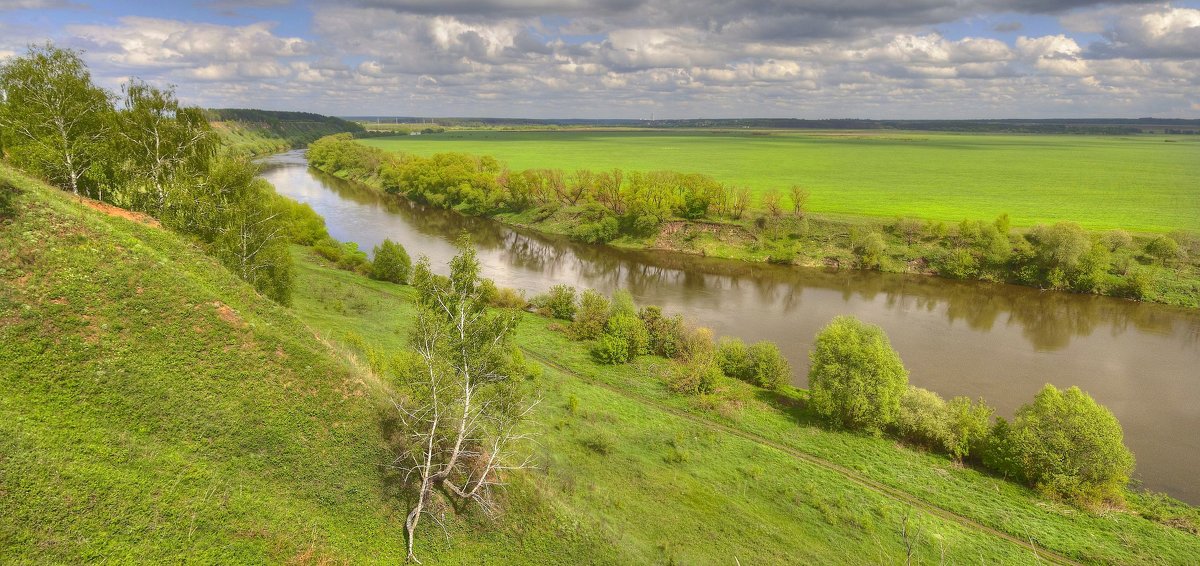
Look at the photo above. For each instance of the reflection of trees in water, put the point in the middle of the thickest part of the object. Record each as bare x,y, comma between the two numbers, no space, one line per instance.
1048,320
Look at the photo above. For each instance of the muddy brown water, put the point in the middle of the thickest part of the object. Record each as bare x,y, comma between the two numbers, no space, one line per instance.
999,342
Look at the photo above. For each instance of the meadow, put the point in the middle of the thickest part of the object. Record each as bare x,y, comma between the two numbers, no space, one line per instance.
1145,183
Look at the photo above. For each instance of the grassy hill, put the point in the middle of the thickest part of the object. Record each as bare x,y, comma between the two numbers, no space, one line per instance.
153,408
261,132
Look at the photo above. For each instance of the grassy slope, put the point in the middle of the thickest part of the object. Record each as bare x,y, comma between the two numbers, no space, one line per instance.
675,487
257,138
152,406
1142,183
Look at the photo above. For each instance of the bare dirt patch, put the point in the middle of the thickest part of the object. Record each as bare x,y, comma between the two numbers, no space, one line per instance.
119,212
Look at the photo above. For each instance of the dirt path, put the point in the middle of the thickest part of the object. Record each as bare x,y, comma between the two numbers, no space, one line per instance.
1041,553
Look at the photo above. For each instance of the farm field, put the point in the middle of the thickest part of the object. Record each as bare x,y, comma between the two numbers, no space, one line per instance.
1141,183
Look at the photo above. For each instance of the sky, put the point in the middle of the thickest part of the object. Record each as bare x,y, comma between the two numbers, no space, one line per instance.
881,59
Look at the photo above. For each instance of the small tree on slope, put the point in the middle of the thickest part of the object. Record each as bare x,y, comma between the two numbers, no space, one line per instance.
462,380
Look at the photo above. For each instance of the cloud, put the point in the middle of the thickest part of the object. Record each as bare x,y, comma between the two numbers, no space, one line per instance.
39,5
152,43
1162,32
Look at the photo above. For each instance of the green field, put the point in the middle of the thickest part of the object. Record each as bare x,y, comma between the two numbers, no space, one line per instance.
1141,183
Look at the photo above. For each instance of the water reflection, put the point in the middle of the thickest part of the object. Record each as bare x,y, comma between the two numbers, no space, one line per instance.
1000,342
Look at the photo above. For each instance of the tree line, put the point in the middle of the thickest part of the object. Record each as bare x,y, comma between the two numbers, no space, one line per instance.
142,150
600,206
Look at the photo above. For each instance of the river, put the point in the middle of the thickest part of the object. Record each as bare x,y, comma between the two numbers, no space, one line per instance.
999,342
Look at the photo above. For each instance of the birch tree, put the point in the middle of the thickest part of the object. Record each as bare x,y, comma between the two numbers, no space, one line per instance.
158,139
464,400
53,118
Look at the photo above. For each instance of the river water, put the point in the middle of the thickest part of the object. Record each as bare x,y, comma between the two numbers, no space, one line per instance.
999,342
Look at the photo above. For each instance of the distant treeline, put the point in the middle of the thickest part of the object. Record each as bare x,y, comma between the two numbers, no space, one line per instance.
602,206
261,132
1102,126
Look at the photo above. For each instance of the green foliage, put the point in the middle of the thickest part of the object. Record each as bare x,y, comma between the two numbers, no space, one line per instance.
625,338
558,302
1163,249
959,428
856,378
667,336
592,316
733,357
8,196
869,248
1067,446
304,225
695,377
391,262
771,369
54,121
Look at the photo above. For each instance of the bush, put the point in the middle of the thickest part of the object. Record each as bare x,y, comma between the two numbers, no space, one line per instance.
558,302
733,357
304,225
625,337
353,259
507,298
600,232
869,248
329,249
1163,249
922,418
695,377
622,303
666,333
391,263
958,428
591,317
856,378
771,369
8,194
1067,446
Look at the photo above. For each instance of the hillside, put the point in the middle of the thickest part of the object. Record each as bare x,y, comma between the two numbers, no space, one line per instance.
261,132
154,406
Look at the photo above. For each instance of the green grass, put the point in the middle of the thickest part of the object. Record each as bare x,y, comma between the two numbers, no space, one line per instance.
608,462
154,408
1141,183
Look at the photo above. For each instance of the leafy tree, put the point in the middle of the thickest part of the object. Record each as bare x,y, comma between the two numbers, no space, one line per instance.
856,378
156,139
1163,249
1060,246
1067,445
463,401
1117,240
53,119
591,317
391,262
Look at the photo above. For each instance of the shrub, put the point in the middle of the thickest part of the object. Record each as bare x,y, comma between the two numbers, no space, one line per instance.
391,263
353,259
329,249
591,317
304,225
733,357
923,418
969,426
856,378
869,248
610,349
1068,446
666,333
958,263
8,193
1117,240
502,297
558,302
1163,249
622,303
771,369
695,377
599,232
629,329
698,345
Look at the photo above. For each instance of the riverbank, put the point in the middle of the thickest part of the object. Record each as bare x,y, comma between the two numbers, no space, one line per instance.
1063,257
617,436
